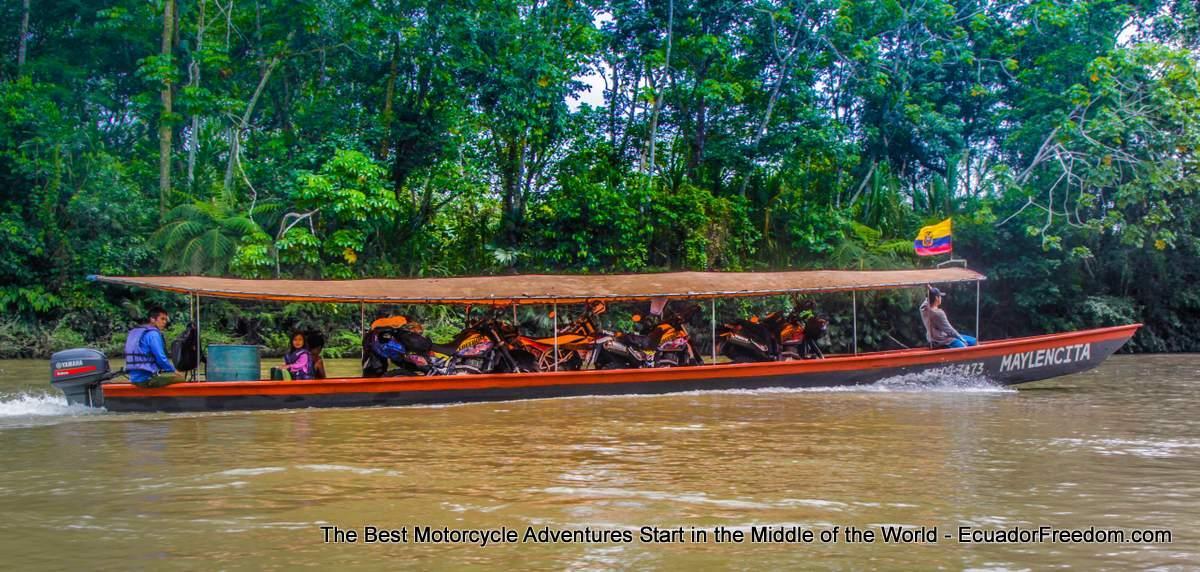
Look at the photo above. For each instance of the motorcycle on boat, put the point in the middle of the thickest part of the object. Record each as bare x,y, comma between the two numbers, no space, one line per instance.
584,345
574,347
777,337
665,337
485,346
746,340
402,342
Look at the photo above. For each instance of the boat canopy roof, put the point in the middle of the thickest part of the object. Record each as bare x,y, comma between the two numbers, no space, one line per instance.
549,288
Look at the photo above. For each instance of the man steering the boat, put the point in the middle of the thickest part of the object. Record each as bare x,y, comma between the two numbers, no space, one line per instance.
938,331
145,357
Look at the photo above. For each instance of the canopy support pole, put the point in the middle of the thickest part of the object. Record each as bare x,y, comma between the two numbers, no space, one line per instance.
199,344
193,318
854,310
714,331
555,313
362,330
514,313
977,309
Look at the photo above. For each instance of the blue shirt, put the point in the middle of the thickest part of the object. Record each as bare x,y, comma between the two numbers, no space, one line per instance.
151,344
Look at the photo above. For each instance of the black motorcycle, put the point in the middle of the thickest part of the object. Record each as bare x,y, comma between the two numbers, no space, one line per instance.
777,337
485,347
745,341
619,350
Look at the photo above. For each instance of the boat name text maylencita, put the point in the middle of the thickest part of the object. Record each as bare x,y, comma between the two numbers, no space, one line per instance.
1044,357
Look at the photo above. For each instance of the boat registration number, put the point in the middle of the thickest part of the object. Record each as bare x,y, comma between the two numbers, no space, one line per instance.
974,369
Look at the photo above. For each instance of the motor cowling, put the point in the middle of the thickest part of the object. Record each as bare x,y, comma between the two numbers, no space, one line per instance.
78,373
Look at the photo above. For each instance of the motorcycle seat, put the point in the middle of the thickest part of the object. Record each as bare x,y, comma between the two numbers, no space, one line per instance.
563,339
446,349
637,340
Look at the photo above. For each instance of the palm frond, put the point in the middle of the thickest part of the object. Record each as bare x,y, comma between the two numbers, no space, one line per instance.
182,232
186,211
191,255
240,226
897,248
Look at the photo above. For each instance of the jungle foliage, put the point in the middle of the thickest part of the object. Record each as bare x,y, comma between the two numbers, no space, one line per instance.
339,139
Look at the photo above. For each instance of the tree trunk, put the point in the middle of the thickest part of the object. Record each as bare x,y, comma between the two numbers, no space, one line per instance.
648,165
614,93
512,174
390,93
235,132
194,72
411,151
697,159
761,131
24,35
164,122
508,182
658,99
630,116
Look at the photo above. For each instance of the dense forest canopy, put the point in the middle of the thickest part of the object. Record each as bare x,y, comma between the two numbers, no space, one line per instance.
346,138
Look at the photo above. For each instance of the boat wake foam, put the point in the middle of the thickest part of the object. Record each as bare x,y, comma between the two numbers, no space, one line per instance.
921,382
935,381
931,382
40,404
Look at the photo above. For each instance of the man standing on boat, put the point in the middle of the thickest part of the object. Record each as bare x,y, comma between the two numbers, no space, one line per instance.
938,330
145,356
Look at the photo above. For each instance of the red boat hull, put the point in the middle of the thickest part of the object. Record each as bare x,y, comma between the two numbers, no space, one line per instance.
1006,362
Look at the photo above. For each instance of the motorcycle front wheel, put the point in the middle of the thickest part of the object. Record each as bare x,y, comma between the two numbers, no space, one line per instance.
525,363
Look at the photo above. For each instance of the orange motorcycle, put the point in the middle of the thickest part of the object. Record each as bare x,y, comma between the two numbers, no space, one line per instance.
575,347
666,337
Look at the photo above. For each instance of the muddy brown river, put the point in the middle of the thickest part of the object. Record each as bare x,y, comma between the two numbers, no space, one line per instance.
1115,449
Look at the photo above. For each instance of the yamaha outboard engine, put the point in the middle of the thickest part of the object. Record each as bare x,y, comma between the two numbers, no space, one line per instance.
78,373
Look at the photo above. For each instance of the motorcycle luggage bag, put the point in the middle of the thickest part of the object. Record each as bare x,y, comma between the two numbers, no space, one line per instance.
415,342
183,350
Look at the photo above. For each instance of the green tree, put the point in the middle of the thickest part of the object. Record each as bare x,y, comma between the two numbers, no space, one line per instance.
337,213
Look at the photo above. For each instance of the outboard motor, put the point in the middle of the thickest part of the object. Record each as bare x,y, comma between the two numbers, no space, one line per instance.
78,373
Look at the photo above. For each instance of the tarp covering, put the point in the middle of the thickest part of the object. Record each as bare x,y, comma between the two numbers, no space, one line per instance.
544,288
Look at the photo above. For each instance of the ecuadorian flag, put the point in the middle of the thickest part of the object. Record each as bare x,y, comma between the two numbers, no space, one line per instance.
933,239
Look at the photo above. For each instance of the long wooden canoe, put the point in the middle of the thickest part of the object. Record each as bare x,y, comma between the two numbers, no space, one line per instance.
1004,362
